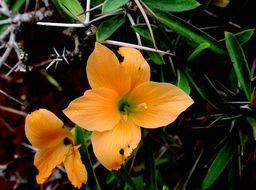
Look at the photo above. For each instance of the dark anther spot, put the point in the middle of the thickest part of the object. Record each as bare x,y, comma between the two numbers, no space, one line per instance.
62,127
67,141
128,146
121,151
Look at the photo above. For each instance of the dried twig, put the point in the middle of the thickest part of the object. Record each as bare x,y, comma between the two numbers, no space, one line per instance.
147,21
14,111
117,43
10,97
133,23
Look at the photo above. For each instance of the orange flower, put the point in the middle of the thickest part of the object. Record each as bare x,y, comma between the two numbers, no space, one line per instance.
122,100
55,144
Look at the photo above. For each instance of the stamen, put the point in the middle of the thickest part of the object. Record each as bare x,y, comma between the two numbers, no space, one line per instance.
142,107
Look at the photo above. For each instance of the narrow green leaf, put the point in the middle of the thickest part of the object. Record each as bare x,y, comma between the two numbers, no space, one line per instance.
213,90
218,165
15,7
92,182
124,178
50,79
70,9
202,90
165,188
108,27
198,50
252,122
243,36
240,64
150,168
96,2
155,57
183,82
173,5
138,181
142,30
110,5
189,31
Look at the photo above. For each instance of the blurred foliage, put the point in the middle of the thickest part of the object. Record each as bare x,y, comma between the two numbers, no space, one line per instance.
210,146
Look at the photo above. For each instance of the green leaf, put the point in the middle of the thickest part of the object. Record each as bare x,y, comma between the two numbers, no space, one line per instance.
218,165
198,50
155,57
172,5
70,9
142,30
111,5
108,27
183,82
165,188
96,2
240,64
252,122
189,31
150,167
124,178
201,89
92,182
15,7
243,36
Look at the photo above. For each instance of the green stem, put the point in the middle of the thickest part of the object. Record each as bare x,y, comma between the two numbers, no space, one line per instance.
92,182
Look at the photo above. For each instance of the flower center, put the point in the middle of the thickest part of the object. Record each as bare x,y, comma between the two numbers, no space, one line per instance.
126,107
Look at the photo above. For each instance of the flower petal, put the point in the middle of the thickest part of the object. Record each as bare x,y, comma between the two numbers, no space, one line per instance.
44,129
95,110
75,169
104,70
158,104
47,159
135,65
113,147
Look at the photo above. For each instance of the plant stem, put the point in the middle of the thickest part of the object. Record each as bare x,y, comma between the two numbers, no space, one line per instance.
92,183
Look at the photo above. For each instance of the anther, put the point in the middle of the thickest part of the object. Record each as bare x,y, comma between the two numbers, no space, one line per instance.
142,107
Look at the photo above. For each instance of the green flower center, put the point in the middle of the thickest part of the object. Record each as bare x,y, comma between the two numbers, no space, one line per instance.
127,107
124,106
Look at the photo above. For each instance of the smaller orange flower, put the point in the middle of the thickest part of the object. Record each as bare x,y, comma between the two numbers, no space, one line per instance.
56,145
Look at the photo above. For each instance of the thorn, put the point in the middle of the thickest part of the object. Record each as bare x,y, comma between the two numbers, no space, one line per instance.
58,58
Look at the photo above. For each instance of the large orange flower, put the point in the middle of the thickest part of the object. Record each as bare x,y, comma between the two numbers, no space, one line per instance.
122,100
56,145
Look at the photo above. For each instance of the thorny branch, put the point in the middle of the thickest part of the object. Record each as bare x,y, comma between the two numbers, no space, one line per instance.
14,23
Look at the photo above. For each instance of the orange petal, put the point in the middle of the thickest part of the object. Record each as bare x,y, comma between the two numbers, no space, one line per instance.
135,65
95,110
47,159
75,169
158,104
113,147
104,70
44,129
